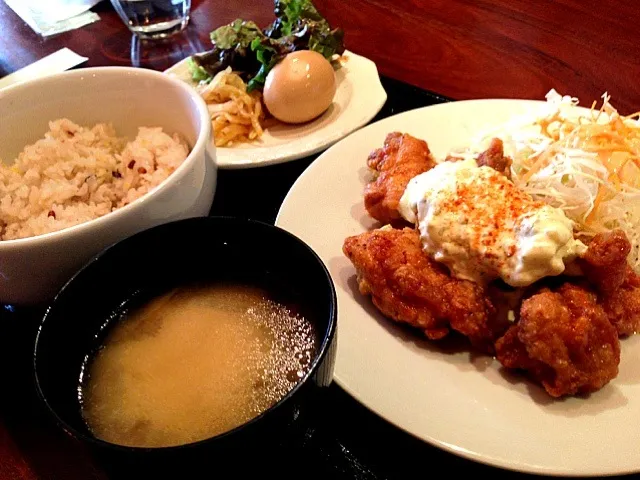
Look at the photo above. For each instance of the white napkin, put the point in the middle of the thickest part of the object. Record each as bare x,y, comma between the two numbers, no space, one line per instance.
59,61
48,17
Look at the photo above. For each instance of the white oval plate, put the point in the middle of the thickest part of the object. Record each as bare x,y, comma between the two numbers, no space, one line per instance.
458,401
359,97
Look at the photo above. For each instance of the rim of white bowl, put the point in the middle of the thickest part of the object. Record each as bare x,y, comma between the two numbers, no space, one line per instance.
204,136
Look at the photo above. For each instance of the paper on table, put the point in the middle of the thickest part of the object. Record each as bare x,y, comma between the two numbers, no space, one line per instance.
49,17
58,61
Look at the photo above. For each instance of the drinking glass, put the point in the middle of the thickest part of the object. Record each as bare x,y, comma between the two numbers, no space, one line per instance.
151,19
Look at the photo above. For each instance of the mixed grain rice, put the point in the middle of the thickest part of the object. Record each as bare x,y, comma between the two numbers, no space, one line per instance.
75,174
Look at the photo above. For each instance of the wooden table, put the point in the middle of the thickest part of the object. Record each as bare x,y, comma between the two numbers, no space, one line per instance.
459,49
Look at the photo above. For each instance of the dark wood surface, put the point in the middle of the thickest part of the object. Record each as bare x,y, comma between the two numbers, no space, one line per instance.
501,48
460,49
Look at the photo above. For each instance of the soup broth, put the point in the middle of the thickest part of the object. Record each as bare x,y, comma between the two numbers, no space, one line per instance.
194,363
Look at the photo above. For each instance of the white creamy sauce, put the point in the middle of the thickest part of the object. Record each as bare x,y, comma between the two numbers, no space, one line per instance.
478,223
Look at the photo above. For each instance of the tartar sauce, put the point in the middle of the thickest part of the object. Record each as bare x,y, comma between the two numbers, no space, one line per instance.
478,223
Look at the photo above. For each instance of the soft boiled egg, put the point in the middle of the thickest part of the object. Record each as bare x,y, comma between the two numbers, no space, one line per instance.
300,87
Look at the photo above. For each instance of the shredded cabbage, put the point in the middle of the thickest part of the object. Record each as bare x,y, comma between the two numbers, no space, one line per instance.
584,161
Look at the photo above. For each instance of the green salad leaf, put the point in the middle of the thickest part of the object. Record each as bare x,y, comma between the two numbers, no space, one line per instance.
290,13
237,34
268,56
252,52
198,74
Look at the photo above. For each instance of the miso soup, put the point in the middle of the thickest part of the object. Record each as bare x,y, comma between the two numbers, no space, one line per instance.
193,363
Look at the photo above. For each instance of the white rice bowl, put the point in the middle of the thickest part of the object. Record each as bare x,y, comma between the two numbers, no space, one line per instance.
66,189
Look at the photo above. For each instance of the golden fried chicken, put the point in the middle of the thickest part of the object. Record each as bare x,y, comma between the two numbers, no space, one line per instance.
494,157
563,340
605,261
622,306
400,159
605,266
566,330
407,286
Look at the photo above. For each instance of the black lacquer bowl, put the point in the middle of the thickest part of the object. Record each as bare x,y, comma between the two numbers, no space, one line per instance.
197,249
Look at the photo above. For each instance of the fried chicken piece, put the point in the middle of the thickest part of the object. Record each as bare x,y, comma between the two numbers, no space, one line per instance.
494,157
402,158
605,261
407,286
605,266
563,340
622,306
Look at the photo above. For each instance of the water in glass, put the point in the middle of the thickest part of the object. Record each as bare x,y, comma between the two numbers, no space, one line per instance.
154,18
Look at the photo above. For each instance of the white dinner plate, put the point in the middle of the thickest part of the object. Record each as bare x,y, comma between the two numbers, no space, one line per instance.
359,97
461,402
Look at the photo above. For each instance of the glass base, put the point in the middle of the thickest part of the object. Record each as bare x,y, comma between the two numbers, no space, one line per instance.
159,30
